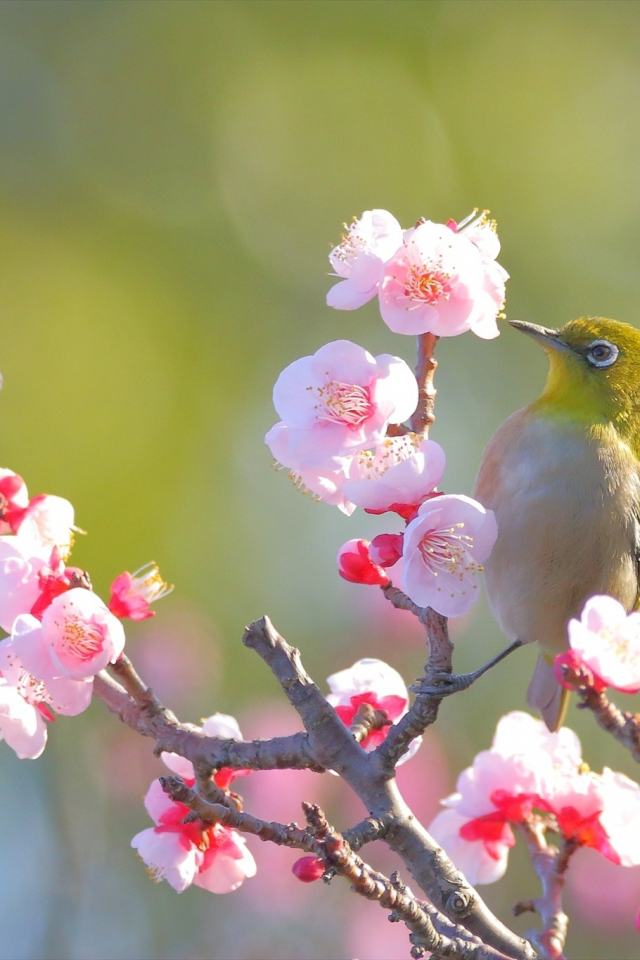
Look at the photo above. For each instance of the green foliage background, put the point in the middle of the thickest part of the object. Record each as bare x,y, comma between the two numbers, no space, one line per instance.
171,174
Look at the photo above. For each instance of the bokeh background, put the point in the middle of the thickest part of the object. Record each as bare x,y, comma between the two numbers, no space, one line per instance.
171,176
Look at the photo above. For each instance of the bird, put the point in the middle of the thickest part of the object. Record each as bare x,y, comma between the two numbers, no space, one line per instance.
562,476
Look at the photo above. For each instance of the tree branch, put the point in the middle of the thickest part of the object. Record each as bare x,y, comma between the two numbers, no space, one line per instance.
426,366
550,864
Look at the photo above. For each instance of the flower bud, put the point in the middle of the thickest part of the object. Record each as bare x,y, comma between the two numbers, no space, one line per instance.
355,564
386,549
308,869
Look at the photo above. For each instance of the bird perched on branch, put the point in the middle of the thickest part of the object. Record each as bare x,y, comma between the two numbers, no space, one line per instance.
563,478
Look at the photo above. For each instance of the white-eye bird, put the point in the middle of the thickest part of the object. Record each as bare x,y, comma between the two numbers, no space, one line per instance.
563,478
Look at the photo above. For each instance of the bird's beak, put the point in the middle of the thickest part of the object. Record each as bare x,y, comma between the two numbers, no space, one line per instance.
544,336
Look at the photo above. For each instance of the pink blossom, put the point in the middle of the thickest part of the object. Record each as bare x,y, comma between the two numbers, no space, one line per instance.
360,258
48,522
373,682
443,282
214,857
26,701
13,499
483,859
443,550
324,483
341,400
607,640
356,566
20,585
526,768
133,593
218,725
80,634
400,476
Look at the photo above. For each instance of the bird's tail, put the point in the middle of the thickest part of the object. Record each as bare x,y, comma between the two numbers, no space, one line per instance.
546,695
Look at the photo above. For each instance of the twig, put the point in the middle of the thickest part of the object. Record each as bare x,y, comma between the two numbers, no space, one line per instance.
426,366
394,896
424,710
622,725
366,719
550,864
292,752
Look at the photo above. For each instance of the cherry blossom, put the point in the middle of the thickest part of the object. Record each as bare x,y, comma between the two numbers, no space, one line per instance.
13,499
607,640
401,474
218,725
48,521
26,702
444,282
373,682
20,584
443,550
356,565
340,401
77,638
213,857
360,257
324,483
133,593
530,768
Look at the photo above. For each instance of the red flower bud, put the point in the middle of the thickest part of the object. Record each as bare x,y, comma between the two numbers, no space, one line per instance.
355,564
308,869
386,549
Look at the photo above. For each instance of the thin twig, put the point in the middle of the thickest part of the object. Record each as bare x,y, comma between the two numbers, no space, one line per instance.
426,366
550,864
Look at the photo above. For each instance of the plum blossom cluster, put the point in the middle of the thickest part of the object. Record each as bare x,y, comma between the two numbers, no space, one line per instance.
530,772
210,856
343,433
433,278
604,644
60,633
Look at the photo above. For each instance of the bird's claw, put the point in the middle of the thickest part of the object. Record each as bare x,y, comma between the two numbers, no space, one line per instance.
444,684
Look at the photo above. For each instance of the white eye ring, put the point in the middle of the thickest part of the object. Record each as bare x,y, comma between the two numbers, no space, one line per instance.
606,358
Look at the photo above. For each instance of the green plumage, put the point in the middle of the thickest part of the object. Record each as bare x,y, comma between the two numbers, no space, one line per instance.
563,478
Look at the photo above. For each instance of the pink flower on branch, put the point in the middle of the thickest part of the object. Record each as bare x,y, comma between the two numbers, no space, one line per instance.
399,476
377,684
215,858
341,400
444,281
13,500
443,551
133,593
324,483
26,701
360,257
47,521
607,640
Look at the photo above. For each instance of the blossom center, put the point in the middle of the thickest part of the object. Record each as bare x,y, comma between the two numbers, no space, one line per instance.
345,403
427,284
351,245
81,640
446,550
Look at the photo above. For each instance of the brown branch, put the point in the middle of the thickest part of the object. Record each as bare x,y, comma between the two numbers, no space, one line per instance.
292,752
331,743
334,747
424,710
550,864
426,926
426,366
366,719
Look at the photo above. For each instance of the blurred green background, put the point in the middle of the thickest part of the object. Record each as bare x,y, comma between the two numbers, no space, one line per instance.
171,176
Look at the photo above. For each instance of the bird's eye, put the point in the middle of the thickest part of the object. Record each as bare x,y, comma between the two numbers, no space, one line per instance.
601,353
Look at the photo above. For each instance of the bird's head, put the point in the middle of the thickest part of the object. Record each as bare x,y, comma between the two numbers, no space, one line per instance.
594,373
